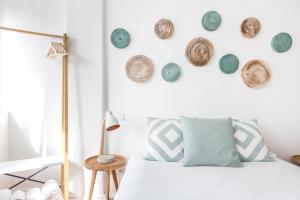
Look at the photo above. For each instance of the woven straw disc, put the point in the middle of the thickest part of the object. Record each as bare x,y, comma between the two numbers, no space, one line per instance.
250,27
256,73
164,28
139,68
199,51
296,159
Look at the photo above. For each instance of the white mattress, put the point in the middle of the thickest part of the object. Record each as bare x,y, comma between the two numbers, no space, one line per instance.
150,180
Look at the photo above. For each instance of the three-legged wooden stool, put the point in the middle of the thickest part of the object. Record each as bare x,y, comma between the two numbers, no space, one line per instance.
108,168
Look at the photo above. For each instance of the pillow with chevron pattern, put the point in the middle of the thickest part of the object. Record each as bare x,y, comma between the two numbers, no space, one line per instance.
165,140
249,141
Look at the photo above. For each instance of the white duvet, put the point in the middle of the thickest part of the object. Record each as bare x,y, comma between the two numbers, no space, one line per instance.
150,180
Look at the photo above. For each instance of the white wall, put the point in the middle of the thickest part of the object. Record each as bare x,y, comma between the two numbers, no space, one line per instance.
1,13
30,83
206,91
85,27
4,135
40,77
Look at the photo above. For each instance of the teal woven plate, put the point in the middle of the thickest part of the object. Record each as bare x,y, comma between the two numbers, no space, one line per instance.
211,20
171,72
282,42
120,38
229,63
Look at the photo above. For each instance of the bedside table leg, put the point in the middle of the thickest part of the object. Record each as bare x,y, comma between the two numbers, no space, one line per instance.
92,184
114,175
107,179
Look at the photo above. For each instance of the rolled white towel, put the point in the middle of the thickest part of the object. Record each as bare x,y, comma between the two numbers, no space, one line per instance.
18,195
33,194
50,191
5,194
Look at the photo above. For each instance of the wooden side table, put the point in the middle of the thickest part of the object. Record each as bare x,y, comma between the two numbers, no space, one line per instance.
92,164
296,160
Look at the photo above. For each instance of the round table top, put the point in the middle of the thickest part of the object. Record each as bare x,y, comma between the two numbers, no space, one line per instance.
92,164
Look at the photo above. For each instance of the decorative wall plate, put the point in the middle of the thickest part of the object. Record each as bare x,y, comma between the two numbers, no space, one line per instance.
282,42
171,72
229,63
211,20
256,73
250,27
164,28
120,38
199,51
139,68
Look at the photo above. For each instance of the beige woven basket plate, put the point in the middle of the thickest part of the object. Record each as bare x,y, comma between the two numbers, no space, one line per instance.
256,73
164,28
139,68
199,51
250,27
296,160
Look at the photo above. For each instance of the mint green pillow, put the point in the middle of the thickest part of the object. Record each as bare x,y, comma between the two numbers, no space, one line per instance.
209,142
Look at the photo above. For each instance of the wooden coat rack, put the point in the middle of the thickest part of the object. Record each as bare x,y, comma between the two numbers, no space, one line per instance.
64,135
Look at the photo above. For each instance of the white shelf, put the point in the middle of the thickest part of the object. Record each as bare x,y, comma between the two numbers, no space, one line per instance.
28,164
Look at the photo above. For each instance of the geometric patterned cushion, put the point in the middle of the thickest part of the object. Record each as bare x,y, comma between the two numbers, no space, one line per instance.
249,141
165,140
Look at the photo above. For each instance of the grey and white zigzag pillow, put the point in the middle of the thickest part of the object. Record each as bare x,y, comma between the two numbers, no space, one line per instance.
250,142
165,140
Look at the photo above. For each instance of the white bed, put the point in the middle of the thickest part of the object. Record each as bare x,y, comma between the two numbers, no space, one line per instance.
150,180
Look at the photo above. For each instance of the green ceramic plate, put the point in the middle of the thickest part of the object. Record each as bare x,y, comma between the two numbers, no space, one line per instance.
120,38
171,72
229,63
211,20
282,42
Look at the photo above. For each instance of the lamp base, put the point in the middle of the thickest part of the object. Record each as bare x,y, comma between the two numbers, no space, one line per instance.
105,159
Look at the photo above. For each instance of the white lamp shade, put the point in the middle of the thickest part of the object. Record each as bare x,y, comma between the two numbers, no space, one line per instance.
111,122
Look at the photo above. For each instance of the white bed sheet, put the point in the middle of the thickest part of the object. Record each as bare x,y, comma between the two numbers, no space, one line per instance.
150,180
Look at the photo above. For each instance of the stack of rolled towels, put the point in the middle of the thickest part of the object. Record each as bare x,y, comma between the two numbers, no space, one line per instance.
49,191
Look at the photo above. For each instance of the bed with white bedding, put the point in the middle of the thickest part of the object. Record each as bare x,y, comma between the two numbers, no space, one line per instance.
154,180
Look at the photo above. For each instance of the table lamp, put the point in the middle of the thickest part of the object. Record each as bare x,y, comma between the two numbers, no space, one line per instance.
109,123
